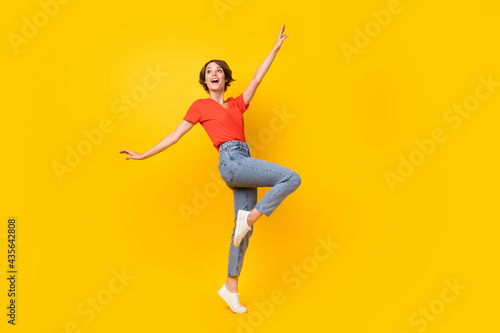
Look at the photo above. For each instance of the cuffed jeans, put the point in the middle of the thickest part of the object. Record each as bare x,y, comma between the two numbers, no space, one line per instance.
243,174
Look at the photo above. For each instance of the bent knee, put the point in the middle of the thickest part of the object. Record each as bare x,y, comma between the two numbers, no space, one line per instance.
295,180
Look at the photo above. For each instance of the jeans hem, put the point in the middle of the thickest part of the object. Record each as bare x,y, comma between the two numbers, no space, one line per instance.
262,210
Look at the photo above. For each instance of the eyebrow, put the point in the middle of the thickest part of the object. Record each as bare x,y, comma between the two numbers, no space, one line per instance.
215,67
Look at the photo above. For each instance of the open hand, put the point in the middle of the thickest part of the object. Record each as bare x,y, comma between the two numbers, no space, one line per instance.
281,38
133,155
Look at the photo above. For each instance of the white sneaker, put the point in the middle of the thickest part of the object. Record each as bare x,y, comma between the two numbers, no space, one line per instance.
242,227
232,299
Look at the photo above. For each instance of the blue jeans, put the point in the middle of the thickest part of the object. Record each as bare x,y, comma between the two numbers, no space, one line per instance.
243,174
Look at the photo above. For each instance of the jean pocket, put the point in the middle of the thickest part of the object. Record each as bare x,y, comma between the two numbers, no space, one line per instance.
237,153
225,172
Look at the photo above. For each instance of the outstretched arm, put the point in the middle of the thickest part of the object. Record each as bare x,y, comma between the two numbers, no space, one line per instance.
166,142
263,68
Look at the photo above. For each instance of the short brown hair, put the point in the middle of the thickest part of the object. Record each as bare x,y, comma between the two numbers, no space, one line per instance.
225,68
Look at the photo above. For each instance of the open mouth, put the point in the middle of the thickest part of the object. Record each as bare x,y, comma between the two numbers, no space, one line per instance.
215,80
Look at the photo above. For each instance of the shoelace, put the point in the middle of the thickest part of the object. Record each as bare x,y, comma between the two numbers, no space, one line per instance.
236,302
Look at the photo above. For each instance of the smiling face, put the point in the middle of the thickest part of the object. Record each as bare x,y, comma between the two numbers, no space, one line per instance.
214,77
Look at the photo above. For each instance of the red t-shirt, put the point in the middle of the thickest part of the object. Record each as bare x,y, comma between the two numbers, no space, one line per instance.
221,124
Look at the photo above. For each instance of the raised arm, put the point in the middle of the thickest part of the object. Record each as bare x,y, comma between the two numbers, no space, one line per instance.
166,142
263,68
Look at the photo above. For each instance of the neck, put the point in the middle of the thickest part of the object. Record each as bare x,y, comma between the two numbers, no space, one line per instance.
218,96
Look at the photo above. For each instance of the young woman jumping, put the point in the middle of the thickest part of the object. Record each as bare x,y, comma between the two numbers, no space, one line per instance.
223,121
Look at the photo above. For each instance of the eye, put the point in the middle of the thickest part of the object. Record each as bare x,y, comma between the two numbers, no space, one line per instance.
220,70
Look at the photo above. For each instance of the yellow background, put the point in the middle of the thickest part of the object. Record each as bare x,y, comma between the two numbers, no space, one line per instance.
351,121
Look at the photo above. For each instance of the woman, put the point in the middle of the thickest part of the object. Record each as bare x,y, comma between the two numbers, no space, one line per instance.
223,122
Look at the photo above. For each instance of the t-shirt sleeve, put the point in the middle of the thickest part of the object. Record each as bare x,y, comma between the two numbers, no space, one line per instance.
240,103
193,114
